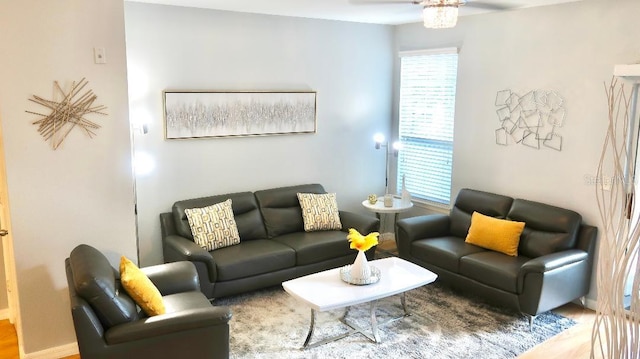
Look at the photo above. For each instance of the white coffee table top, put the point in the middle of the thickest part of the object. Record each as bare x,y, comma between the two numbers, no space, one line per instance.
398,206
326,291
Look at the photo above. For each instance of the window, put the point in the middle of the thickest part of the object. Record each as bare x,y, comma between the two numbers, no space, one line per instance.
426,112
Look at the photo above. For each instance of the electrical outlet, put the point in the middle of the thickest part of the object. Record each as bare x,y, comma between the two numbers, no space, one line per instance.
99,55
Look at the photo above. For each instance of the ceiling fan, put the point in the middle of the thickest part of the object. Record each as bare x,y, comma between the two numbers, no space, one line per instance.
439,14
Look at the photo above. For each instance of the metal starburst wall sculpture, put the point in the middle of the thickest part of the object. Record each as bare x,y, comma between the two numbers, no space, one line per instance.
67,113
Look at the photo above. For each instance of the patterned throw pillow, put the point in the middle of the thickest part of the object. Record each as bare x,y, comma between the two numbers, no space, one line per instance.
213,226
319,211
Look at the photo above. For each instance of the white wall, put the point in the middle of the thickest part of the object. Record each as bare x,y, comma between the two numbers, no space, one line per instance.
349,65
569,48
82,192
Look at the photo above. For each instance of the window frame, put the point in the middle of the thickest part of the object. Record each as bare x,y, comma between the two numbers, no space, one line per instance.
423,202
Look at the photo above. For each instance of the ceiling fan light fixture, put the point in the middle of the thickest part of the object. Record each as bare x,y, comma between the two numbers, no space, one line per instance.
440,14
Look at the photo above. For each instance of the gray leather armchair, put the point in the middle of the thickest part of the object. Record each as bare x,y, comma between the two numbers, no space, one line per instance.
108,323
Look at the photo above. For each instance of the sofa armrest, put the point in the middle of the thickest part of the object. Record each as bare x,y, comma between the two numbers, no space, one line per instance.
168,323
177,248
363,224
174,277
553,261
420,227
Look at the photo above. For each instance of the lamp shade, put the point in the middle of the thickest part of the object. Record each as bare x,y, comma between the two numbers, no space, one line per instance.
440,14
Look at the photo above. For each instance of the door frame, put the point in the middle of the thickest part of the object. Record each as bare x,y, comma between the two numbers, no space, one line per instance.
7,245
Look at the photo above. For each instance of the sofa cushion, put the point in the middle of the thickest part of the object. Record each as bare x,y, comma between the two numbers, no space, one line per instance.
213,226
252,258
319,211
496,234
314,247
96,281
548,229
444,252
493,269
140,288
469,201
245,212
281,210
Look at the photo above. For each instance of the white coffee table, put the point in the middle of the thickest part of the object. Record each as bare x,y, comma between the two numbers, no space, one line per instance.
325,291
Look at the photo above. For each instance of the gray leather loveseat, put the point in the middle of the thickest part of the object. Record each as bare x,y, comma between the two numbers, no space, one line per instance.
273,244
553,265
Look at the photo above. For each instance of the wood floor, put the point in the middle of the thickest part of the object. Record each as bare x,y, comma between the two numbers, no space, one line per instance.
573,343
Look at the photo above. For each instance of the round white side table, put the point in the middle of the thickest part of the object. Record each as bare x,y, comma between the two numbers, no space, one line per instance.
395,209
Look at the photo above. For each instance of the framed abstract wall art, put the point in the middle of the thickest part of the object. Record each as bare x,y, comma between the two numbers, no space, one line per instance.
202,114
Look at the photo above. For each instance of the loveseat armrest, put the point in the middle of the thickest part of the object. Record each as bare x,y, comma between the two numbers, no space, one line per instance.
178,248
174,277
420,227
363,224
163,324
553,261
552,280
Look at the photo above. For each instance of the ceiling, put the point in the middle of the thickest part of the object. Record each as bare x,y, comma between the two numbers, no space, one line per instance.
365,11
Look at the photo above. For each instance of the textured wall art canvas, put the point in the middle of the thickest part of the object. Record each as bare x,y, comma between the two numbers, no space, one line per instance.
190,114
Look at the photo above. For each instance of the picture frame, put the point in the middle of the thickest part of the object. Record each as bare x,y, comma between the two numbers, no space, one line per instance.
207,114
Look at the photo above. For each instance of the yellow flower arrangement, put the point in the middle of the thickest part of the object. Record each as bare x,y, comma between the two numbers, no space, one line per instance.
360,242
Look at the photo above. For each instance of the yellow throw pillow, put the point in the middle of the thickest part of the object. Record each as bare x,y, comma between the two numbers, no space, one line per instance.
140,288
319,211
213,226
496,234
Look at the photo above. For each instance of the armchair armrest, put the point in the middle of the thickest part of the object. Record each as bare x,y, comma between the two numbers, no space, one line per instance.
177,248
364,224
174,277
168,323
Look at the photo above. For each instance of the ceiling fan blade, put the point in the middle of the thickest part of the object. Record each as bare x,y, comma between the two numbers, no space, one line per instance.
488,6
384,2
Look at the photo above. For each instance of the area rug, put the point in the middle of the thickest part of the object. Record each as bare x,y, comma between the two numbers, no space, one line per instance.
271,324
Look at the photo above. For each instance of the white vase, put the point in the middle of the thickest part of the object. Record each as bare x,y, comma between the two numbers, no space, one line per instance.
405,196
360,269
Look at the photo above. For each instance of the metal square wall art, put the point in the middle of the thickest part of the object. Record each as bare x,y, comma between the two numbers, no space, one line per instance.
191,114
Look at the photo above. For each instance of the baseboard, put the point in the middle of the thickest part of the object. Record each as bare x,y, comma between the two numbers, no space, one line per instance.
55,352
4,314
591,304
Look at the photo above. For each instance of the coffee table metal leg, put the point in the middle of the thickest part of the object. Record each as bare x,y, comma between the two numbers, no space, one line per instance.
374,322
403,300
311,328
354,328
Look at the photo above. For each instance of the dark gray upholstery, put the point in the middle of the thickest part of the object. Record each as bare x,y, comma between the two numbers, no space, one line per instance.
281,209
273,244
555,253
109,325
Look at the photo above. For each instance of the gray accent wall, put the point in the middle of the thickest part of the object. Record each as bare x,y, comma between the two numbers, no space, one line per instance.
350,66
84,191
568,48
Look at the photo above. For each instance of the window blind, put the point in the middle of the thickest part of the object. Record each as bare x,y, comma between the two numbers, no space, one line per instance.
426,113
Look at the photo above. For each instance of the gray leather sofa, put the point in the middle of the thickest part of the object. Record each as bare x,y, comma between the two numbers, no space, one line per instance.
553,266
109,325
273,244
